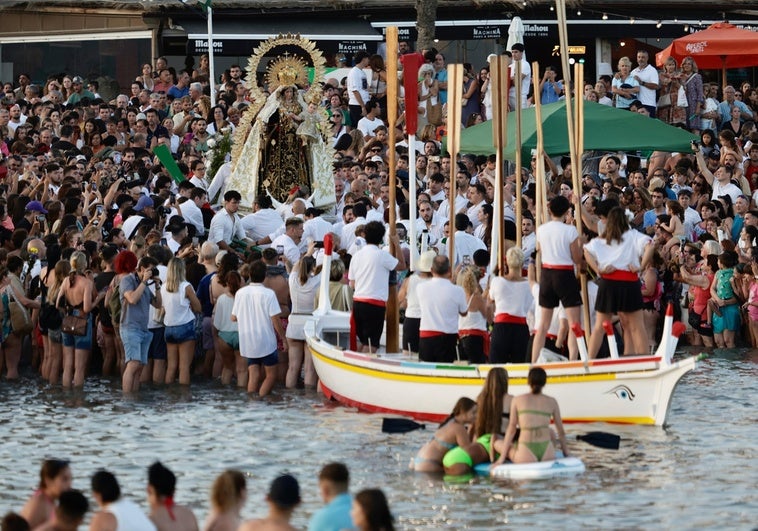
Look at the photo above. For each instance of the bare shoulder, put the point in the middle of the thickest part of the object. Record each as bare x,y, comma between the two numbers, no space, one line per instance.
103,521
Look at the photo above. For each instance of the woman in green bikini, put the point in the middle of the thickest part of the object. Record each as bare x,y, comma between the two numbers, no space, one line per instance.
531,413
493,405
451,434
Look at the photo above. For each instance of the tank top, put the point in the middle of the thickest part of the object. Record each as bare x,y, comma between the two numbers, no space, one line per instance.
472,321
129,517
177,306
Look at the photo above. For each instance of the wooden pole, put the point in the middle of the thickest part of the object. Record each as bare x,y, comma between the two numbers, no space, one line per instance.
540,200
393,310
499,86
454,111
519,161
579,77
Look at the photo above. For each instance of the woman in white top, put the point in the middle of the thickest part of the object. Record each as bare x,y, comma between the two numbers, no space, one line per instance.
473,339
228,332
408,297
428,89
513,300
304,283
180,305
618,257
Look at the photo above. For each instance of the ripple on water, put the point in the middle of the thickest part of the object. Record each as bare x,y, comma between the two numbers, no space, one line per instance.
698,472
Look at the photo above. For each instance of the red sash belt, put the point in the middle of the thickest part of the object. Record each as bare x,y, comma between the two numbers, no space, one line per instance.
480,333
621,275
372,302
430,333
508,318
558,267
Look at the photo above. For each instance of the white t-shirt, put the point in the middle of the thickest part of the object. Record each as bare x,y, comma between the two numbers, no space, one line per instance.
441,303
466,245
315,229
222,314
347,235
730,189
367,126
357,81
648,75
177,306
225,227
291,249
554,239
370,269
526,82
265,222
623,256
413,308
514,298
254,306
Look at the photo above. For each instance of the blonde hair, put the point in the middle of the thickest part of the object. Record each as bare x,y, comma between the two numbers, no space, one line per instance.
78,262
467,280
61,271
227,490
175,275
514,257
625,61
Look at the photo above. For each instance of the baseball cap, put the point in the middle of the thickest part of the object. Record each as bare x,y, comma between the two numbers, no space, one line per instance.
77,79
36,206
285,491
143,203
377,158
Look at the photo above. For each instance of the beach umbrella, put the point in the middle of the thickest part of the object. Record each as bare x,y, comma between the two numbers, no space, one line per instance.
605,128
515,33
720,46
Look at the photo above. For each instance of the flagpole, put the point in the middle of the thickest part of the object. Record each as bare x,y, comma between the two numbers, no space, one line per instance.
454,111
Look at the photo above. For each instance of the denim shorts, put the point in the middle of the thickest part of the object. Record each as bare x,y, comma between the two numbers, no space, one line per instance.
267,361
180,333
136,344
79,342
157,350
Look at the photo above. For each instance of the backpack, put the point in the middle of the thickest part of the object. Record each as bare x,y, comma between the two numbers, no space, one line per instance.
113,301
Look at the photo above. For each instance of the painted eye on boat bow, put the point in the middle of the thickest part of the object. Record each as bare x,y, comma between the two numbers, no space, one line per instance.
622,392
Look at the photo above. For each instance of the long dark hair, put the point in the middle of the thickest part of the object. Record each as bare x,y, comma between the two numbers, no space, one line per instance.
374,504
487,208
463,405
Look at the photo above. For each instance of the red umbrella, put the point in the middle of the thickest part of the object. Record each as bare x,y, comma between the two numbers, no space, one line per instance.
720,46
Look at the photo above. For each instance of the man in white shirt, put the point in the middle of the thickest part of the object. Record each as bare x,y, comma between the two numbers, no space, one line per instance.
369,277
225,225
647,76
348,231
462,181
528,238
357,88
441,303
720,180
436,188
526,77
477,194
265,223
315,227
427,220
372,121
257,311
465,244
289,242
191,210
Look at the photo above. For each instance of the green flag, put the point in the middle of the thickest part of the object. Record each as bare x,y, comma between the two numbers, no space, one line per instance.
164,155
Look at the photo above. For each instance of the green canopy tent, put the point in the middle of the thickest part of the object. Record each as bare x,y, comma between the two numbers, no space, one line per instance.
605,128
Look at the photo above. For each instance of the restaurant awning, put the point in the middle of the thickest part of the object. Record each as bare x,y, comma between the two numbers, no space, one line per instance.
239,37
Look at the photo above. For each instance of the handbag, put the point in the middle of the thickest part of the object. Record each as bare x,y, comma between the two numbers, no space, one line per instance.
74,325
21,322
681,97
433,112
664,101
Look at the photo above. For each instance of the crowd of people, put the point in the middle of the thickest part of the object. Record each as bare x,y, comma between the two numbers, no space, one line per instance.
55,506
112,265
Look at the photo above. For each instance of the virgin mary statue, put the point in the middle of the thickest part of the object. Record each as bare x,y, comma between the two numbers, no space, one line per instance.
272,153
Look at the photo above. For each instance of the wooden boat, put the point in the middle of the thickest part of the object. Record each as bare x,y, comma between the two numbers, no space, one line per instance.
627,390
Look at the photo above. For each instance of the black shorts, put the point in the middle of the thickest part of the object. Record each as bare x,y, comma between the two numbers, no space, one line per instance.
410,333
369,322
472,348
509,343
559,286
441,348
615,296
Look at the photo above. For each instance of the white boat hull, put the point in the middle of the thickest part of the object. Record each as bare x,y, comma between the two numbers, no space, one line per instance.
629,390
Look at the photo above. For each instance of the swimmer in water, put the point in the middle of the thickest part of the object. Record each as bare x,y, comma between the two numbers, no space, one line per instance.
451,434
54,479
165,514
228,495
69,515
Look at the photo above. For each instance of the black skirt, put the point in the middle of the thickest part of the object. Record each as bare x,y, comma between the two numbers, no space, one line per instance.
615,296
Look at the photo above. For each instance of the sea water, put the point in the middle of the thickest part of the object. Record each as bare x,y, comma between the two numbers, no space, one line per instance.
697,472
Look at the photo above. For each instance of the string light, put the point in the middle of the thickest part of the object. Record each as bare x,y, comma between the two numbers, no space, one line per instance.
552,8
631,20
686,27
659,24
605,16
578,12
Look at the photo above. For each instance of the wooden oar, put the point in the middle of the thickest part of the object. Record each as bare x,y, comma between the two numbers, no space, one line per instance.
393,310
601,439
454,111
499,86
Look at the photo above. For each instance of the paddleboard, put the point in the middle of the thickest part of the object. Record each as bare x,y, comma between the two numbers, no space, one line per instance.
564,466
